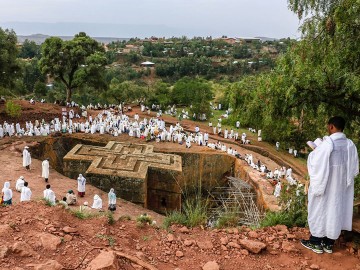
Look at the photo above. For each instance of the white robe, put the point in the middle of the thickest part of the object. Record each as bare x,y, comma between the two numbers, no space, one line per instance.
97,202
19,184
49,195
25,194
277,190
332,167
81,184
26,158
45,169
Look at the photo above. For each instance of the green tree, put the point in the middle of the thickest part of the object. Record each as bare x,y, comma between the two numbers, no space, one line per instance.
32,74
75,63
9,65
160,95
29,49
40,89
126,91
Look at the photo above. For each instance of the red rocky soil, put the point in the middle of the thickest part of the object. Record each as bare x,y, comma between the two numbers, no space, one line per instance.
36,236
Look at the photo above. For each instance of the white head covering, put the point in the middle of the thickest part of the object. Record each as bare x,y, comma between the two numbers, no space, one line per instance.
97,202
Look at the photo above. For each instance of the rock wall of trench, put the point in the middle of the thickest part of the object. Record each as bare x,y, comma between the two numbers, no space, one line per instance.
163,190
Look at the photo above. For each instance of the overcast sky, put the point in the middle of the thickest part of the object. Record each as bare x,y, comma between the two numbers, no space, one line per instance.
119,18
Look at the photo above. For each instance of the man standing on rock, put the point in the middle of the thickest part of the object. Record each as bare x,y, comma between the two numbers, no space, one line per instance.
332,167
45,169
26,158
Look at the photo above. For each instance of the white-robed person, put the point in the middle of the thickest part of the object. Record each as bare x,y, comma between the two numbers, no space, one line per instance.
112,200
7,194
81,185
19,183
25,193
26,158
277,190
332,167
45,169
97,204
49,195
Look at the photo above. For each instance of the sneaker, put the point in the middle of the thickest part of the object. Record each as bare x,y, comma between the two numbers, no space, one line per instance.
316,248
327,248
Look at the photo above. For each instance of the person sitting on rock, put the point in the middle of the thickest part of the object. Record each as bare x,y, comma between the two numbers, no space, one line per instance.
97,204
85,207
64,203
70,198
7,194
19,183
49,195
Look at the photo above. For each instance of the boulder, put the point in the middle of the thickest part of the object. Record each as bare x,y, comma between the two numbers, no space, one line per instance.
252,246
179,254
5,229
68,229
22,249
287,246
49,265
4,252
211,265
106,260
233,245
170,237
188,243
184,230
205,245
49,241
253,234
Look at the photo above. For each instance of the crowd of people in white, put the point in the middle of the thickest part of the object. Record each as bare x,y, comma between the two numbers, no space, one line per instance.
111,120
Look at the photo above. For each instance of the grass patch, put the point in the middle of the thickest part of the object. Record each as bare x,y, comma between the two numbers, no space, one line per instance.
110,217
47,202
294,210
83,214
109,238
227,219
124,218
144,219
194,213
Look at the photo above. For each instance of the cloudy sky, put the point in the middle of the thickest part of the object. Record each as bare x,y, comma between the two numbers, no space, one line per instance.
143,18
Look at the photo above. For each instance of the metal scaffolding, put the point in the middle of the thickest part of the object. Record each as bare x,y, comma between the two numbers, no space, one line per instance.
239,199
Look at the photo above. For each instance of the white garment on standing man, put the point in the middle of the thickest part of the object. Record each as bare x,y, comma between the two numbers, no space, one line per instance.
26,157
332,167
81,183
45,169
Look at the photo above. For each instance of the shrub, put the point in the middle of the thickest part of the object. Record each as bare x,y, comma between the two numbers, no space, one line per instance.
12,109
111,219
294,210
82,214
230,219
125,217
144,219
174,217
109,238
194,213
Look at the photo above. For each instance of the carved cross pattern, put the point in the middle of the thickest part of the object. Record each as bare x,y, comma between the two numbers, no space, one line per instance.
123,159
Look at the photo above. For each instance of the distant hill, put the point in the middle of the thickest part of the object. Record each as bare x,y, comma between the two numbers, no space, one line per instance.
40,38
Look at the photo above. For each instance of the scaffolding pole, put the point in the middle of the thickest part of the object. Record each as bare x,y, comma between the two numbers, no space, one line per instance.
237,198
